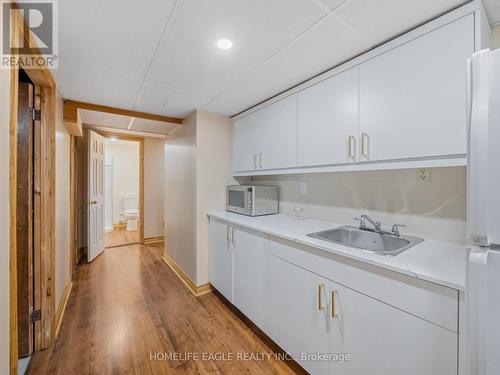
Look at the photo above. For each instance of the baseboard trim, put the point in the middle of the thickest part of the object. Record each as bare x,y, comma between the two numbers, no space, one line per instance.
62,308
153,240
195,290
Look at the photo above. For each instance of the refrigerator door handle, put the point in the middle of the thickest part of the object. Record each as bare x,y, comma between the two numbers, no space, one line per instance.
478,95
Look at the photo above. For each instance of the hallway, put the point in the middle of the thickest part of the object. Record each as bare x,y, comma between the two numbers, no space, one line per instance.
128,304
121,237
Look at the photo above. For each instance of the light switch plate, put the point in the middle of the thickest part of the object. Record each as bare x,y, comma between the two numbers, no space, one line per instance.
424,176
303,188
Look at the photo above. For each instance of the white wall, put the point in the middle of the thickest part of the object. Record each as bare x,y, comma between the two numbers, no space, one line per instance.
213,134
126,172
4,220
435,211
197,170
495,37
154,190
63,208
180,196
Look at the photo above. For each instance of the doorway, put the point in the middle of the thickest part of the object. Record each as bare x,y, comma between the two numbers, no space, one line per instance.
122,192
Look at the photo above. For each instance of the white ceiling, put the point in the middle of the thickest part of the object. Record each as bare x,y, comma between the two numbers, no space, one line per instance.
160,56
121,123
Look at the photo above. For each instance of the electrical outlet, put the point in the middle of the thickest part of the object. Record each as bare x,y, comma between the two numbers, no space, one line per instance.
424,176
303,188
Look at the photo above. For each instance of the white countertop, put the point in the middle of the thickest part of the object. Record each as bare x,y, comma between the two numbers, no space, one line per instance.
435,261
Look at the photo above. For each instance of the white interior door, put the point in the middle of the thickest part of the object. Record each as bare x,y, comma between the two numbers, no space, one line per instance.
95,203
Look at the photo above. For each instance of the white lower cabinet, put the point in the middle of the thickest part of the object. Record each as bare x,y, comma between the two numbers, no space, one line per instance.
221,258
298,319
250,273
328,327
381,339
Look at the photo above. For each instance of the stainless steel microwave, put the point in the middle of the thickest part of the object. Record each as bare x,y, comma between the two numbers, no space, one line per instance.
252,200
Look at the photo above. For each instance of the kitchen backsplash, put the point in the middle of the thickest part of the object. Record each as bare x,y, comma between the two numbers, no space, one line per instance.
435,210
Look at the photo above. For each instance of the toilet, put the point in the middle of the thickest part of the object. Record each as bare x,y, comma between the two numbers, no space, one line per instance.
130,212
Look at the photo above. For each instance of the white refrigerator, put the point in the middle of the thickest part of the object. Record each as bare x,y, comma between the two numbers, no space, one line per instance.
483,268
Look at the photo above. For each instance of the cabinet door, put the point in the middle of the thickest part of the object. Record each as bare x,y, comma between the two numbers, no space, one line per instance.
381,339
278,134
250,274
327,118
297,318
221,259
412,98
246,135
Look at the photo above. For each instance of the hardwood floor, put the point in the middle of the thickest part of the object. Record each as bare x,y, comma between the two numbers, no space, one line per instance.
127,305
120,237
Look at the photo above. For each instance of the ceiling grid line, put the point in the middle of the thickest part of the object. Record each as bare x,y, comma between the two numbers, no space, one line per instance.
170,19
271,56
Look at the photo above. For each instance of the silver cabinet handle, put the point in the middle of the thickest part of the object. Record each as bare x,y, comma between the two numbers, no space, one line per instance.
260,160
364,145
352,145
227,233
232,236
255,161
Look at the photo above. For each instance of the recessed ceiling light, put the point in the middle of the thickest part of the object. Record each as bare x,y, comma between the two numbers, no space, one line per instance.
224,43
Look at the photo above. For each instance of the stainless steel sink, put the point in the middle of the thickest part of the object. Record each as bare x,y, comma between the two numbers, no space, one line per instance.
380,243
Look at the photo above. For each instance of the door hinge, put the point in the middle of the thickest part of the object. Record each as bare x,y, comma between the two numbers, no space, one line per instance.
36,315
36,114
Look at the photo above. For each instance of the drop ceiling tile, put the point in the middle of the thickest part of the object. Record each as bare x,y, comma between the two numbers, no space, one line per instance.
115,34
188,57
493,10
327,44
384,19
104,119
81,82
168,100
333,4
151,126
224,106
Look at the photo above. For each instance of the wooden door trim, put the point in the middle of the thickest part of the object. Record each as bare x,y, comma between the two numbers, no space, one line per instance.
126,137
72,106
40,76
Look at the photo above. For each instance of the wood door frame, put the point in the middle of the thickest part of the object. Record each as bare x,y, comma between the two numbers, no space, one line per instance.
126,137
73,257
41,77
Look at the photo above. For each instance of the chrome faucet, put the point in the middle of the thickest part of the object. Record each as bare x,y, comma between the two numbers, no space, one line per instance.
364,218
377,226
395,229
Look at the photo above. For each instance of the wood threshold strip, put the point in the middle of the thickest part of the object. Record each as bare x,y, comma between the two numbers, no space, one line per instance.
62,308
195,290
153,240
120,111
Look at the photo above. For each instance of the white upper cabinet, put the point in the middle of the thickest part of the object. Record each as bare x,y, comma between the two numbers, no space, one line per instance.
267,138
328,121
413,98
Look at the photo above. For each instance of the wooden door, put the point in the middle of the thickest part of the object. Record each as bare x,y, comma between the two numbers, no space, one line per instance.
413,98
95,202
381,339
25,219
298,319
328,121
250,273
221,258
